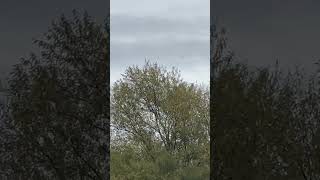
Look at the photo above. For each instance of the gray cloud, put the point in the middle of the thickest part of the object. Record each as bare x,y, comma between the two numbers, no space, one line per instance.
166,47
183,9
146,25
153,32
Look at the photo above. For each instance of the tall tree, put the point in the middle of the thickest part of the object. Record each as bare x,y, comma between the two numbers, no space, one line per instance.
163,117
58,112
264,122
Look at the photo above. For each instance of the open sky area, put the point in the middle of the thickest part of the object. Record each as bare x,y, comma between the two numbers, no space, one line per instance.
261,32
23,21
171,33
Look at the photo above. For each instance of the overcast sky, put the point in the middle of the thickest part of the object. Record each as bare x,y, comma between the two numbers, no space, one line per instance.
175,32
23,20
172,33
262,31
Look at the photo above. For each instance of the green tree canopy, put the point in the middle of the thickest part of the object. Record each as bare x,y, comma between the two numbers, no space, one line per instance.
162,120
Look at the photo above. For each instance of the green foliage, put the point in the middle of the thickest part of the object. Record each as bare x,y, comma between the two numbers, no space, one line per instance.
165,119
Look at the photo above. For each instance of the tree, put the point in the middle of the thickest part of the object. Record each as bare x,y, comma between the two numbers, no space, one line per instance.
58,112
263,122
220,58
163,119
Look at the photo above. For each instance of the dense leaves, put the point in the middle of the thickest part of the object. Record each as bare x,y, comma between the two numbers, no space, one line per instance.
264,121
160,126
57,125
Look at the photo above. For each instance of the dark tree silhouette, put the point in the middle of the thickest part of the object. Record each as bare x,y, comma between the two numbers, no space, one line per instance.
57,120
264,122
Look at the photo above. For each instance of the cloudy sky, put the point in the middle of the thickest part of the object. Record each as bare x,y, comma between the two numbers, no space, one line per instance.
265,30
172,33
21,21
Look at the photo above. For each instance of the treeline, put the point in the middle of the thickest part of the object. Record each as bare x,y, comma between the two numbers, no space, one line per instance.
264,121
